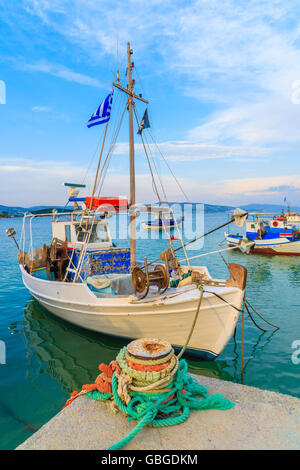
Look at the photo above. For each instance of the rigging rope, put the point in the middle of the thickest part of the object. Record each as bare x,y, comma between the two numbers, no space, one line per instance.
166,162
154,186
156,145
151,156
115,135
156,169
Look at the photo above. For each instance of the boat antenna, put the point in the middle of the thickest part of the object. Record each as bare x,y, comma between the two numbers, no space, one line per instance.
130,66
118,74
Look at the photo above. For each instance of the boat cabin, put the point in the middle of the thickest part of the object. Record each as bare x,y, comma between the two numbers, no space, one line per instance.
72,232
274,228
81,247
94,253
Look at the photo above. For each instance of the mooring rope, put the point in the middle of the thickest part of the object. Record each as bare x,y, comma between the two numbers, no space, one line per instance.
152,395
249,305
243,339
260,316
193,324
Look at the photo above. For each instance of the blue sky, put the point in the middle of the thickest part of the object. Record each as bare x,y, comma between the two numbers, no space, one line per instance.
222,78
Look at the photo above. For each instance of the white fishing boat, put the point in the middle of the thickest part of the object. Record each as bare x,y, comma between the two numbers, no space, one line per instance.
268,237
169,223
84,279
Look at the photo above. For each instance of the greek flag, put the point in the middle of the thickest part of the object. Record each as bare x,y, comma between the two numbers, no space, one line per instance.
102,114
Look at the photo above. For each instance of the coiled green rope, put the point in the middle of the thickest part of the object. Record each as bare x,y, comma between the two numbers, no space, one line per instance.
166,408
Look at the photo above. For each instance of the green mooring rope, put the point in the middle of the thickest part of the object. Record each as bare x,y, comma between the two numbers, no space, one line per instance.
152,408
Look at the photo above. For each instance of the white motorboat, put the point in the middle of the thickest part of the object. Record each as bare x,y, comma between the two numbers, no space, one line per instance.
269,237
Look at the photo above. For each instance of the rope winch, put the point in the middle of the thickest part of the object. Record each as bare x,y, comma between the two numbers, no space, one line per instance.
143,279
57,259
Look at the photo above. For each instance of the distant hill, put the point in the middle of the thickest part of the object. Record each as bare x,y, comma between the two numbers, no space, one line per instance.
19,211
12,210
276,208
209,208
216,208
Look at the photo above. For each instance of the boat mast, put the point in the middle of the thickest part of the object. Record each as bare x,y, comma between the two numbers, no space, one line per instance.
131,157
130,103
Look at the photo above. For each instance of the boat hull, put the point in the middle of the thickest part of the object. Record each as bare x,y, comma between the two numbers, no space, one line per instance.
279,246
170,319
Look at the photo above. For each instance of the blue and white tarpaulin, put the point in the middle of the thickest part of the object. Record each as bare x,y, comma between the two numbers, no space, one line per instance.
102,114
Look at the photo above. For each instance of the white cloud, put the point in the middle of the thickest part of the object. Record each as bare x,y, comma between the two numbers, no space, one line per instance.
190,150
248,60
40,183
269,189
41,109
61,72
26,182
269,122
243,55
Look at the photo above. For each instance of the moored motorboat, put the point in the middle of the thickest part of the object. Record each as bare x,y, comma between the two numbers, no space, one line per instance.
269,237
162,224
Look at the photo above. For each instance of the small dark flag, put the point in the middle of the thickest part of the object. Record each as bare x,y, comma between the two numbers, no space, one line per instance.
145,124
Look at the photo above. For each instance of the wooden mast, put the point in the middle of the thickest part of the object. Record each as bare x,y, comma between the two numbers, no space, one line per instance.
131,156
130,103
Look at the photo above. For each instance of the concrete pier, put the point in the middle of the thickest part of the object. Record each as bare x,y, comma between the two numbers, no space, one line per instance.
259,420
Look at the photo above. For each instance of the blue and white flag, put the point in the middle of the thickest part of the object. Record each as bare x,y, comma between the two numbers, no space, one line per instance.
102,114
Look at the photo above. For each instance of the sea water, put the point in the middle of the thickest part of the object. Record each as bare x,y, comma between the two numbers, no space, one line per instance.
43,359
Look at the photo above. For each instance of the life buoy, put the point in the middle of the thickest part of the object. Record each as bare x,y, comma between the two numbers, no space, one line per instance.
275,223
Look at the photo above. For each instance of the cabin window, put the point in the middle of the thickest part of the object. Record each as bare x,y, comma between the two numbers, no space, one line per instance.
253,226
68,232
98,235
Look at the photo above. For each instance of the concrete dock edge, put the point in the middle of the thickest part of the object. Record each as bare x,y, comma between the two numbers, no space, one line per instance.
260,420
